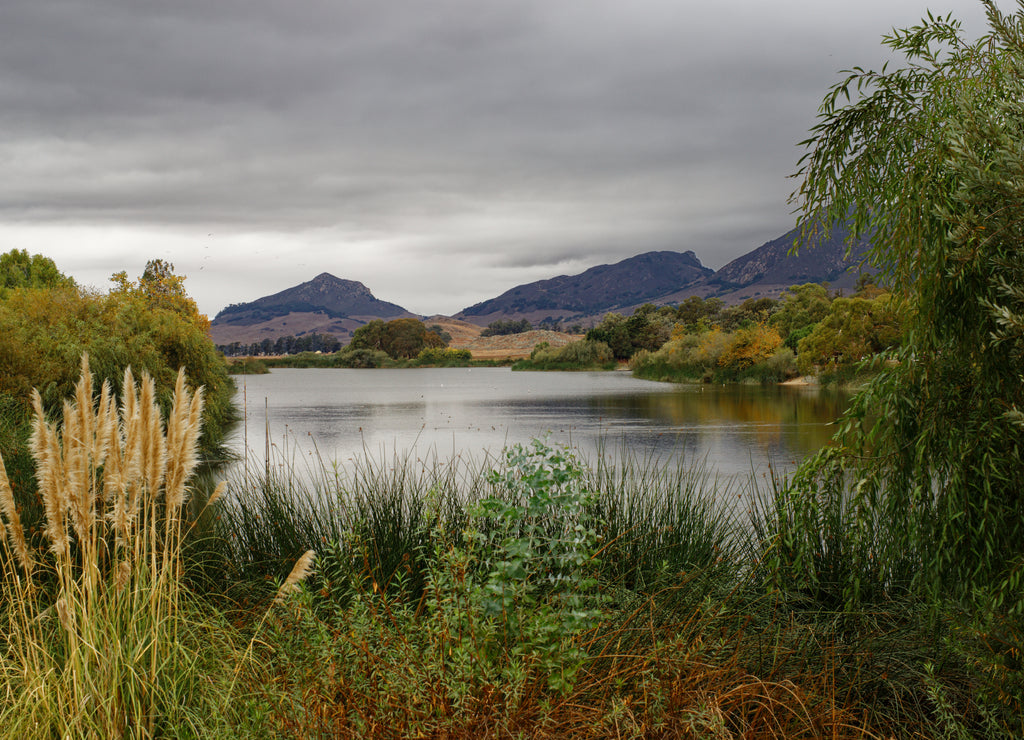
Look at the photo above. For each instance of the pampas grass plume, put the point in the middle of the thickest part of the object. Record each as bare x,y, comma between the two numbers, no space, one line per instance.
15,532
299,572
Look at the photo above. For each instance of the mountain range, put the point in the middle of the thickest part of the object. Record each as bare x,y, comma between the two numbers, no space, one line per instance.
330,305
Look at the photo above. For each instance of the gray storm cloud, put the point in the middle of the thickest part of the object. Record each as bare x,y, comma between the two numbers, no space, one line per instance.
475,144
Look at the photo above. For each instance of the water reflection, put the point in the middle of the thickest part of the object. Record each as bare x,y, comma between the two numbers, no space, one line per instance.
344,413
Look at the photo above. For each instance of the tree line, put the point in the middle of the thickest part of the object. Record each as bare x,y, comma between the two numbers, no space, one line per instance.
287,345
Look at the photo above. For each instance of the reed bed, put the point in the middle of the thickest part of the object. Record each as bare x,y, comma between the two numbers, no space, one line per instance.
693,634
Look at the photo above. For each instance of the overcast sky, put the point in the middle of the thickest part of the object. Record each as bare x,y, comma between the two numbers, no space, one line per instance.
439,151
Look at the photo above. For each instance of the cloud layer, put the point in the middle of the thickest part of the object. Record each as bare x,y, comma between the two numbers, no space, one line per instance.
439,152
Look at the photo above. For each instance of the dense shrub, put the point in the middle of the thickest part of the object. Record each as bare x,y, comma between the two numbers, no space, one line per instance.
853,329
444,357
582,355
505,327
151,326
400,338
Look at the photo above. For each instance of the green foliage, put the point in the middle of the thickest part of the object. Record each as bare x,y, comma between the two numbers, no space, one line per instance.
444,357
538,554
853,329
19,269
585,354
45,331
696,312
406,630
802,307
286,345
505,327
926,158
751,353
439,330
752,311
400,338
248,366
361,358
645,329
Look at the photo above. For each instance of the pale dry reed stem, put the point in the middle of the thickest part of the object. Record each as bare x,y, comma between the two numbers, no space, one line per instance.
112,458
176,425
299,572
129,397
76,467
83,407
15,532
115,494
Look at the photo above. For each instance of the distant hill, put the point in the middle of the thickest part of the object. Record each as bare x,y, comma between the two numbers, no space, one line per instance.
600,289
326,305
823,260
329,305
670,277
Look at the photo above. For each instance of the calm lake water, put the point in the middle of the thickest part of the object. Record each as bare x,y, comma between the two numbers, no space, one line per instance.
341,415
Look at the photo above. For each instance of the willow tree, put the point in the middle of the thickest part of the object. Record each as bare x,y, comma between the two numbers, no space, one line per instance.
927,159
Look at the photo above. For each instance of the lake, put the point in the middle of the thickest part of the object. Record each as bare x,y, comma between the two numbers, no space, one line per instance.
342,415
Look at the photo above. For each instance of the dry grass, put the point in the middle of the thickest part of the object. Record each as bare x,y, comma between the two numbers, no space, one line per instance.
512,346
644,679
95,623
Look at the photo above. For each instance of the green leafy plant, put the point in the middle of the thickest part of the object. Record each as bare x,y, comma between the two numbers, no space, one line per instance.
538,552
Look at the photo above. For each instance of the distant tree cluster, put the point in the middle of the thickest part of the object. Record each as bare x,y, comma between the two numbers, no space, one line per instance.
648,328
19,269
400,338
806,331
289,345
439,330
444,357
506,327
